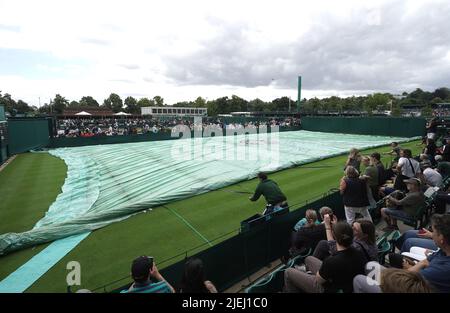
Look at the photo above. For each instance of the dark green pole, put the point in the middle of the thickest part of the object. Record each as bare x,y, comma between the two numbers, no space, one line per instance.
299,98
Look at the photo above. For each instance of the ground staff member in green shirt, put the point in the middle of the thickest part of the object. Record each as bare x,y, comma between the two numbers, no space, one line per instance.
271,192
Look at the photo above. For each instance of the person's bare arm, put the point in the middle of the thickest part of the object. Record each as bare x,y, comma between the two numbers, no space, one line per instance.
155,273
420,265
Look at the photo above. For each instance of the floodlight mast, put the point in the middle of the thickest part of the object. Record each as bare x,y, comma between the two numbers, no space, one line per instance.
299,97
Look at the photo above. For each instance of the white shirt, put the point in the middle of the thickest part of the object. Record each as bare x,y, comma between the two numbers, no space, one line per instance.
406,167
432,177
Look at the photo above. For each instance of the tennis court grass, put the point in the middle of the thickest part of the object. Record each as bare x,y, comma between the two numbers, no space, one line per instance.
164,232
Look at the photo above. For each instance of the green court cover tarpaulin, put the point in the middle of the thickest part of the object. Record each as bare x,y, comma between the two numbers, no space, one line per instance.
108,183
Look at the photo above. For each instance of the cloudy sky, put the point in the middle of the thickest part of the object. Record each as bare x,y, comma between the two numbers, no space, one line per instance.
184,49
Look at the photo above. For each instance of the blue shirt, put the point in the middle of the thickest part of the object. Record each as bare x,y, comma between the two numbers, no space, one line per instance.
438,271
150,287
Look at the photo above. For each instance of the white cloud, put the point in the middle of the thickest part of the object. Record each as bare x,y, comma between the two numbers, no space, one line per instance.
130,47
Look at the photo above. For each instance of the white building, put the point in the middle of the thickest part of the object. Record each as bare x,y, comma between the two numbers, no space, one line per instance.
174,111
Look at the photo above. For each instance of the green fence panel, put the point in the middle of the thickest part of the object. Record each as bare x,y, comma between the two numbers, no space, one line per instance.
2,113
384,126
238,257
27,134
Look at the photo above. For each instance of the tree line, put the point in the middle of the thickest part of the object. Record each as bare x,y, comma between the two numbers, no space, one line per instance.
224,105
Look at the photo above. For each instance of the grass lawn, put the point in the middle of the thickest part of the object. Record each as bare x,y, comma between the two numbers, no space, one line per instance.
106,254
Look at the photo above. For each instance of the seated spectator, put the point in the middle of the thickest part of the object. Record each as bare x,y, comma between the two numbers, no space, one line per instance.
143,270
194,280
332,275
435,269
416,238
405,208
354,192
392,280
309,220
307,237
443,167
324,211
432,177
363,240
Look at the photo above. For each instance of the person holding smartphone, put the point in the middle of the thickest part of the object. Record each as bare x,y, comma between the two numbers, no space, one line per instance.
147,278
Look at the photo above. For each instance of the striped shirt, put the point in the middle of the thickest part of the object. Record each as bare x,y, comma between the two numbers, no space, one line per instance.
150,287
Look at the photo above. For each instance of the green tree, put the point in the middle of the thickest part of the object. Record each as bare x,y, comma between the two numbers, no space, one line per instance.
200,102
442,93
376,101
426,111
256,105
59,103
131,105
74,104
113,102
9,104
281,104
88,102
237,104
396,111
158,101
145,102
212,108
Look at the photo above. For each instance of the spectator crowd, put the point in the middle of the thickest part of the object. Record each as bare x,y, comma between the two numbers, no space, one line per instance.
90,127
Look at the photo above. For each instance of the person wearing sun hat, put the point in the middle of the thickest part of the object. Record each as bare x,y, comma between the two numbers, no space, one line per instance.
407,207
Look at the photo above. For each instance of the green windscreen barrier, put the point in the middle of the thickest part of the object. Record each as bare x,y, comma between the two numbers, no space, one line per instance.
27,134
2,113
381,126
108,183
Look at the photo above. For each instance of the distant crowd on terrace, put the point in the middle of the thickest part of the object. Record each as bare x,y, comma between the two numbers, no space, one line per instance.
90,127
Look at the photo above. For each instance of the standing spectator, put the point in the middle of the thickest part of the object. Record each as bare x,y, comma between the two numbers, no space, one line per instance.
375,158
354,159
406,168
371,176
143,270
354,192
395,151
432,128
430,150
194,280
445,150
335,273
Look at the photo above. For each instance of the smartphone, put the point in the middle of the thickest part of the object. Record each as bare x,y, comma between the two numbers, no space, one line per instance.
150,259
